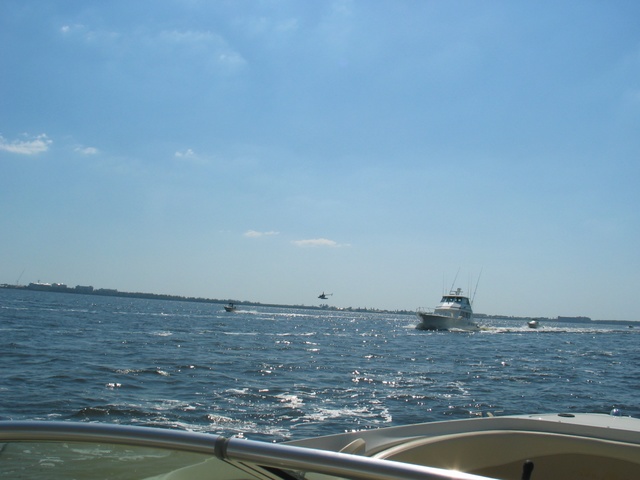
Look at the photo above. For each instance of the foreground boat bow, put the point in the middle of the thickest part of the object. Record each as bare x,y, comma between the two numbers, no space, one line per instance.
560,446
554,446
64,450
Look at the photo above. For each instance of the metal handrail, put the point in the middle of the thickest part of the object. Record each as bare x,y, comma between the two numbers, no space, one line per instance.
337,464
264,454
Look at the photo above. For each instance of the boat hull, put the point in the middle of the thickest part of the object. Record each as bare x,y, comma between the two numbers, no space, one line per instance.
561,446
432,321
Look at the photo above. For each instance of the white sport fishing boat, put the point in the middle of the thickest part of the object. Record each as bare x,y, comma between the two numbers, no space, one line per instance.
549,447
454,312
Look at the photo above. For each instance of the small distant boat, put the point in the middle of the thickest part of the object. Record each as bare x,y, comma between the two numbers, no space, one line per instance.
230,307
454,312
533,324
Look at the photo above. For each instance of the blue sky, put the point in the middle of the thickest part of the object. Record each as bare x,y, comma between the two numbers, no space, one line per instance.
268,151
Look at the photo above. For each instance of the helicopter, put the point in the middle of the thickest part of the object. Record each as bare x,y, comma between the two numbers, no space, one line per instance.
324,295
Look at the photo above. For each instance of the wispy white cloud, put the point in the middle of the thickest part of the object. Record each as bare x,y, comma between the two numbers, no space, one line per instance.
188,153
210,49
71,29
255,234
318,242
31,146
88,35
206,44
86,150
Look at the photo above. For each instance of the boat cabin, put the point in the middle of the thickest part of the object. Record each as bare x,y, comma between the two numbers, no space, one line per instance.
463,301
455,304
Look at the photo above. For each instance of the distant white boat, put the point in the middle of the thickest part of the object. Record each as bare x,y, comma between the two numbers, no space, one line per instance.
533,324
454,312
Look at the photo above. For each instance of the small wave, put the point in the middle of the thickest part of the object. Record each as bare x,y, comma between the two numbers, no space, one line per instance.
128,371
370,414
238,391
545,330
293,315
101,411
221,419
290,400
136,371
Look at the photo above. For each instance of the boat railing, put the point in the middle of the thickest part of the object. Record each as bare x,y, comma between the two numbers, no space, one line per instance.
237,451
442,313
429,311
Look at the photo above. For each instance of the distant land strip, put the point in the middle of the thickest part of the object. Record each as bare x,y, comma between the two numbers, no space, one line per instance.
110,292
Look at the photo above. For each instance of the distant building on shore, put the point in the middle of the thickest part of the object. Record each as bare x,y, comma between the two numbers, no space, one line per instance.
106,291
84,289
574,319
59,287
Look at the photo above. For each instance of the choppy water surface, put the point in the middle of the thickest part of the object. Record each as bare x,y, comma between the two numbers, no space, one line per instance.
269,373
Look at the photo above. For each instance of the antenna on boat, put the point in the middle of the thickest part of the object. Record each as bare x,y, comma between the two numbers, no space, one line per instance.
454,280
18,281
476,289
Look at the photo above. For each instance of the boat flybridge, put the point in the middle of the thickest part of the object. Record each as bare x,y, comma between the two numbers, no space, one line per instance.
545,447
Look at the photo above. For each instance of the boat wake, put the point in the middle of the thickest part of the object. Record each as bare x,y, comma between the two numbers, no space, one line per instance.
552,329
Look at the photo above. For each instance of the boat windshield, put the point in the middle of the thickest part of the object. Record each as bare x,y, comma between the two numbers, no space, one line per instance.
92,461
453,299
88,451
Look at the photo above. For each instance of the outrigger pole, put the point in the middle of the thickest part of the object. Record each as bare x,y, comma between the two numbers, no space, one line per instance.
454,280
476,289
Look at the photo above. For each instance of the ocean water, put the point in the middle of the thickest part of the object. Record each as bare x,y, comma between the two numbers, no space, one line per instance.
277,374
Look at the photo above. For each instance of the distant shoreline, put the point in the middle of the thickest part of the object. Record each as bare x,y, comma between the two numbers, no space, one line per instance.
108,292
